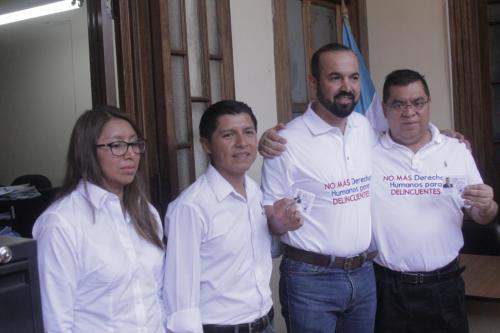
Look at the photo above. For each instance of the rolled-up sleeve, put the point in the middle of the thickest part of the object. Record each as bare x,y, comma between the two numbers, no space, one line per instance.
184,229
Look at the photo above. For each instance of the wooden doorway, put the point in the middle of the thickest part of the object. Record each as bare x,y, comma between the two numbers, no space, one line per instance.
475,63
173,58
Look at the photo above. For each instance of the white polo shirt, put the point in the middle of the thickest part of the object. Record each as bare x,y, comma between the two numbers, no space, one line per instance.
416,225
218,263
335,170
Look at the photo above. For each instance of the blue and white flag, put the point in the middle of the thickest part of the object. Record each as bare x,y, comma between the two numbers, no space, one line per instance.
369,103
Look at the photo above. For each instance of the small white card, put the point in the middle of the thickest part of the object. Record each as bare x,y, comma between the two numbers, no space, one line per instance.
304,200
454,185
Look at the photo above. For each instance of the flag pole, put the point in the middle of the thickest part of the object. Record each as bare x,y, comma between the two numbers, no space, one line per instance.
343,10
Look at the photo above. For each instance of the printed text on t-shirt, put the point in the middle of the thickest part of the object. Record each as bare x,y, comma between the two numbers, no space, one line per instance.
414,184
349,189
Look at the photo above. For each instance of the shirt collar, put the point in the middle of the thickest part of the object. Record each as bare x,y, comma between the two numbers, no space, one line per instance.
318,126
94,194
222,188
436,138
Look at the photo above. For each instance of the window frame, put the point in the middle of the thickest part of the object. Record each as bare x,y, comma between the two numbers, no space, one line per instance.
357,20
144,66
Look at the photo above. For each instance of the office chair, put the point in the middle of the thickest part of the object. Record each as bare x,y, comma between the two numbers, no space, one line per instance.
41,182
28,210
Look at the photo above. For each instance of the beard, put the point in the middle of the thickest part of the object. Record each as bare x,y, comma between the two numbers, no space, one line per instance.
337,109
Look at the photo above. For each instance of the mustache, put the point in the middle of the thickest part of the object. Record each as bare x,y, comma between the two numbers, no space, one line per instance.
344,94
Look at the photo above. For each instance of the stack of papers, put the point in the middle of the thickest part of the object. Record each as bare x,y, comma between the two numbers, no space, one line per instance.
18,192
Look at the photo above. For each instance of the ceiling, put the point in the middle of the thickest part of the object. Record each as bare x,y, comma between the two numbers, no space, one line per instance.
8,6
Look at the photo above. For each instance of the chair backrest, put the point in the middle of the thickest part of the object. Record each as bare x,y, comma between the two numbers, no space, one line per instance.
26,211
41,182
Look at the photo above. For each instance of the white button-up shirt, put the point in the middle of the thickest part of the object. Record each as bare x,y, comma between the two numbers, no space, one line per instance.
218,263
96,273
334,168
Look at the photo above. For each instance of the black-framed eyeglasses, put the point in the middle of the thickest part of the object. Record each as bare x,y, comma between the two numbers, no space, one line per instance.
120,148
417,104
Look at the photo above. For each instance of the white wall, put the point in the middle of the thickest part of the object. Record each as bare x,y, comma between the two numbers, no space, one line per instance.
412,34
44,85
253,56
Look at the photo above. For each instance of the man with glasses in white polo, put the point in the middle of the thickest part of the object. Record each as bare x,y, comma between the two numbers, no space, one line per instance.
416,220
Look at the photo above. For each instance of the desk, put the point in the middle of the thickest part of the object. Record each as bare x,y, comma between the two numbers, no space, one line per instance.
482,277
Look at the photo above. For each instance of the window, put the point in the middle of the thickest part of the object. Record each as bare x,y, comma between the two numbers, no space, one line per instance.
300,28
201,63
174,58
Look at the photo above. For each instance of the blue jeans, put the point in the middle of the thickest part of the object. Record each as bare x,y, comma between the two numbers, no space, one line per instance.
318,299
270,328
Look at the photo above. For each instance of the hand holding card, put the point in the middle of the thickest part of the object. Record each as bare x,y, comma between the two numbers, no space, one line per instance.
454,185
286,216
304,200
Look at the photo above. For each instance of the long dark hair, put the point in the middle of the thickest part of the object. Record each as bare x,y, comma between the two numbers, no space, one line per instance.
82,164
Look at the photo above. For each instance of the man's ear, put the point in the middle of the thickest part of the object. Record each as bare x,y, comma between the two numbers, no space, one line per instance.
313,85
384,108
205,144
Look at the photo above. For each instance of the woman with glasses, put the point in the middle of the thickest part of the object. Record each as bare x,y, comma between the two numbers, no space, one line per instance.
100,249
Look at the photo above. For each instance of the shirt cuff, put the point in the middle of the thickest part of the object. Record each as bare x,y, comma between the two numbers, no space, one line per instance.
185,321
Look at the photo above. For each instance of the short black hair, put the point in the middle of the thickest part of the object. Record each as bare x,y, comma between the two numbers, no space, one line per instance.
208,122
402,78
331,47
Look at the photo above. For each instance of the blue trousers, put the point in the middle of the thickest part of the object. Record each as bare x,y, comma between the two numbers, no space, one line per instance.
318,299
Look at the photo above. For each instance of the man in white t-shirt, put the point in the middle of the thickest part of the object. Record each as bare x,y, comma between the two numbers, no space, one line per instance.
422,181
218,262
327,281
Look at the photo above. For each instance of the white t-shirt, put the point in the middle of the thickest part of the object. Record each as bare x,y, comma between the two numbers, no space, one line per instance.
416,222
218,263
331,173
96,273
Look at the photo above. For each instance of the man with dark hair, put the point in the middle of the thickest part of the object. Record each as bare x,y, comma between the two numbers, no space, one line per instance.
218,263
403,77
416,220
327,281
